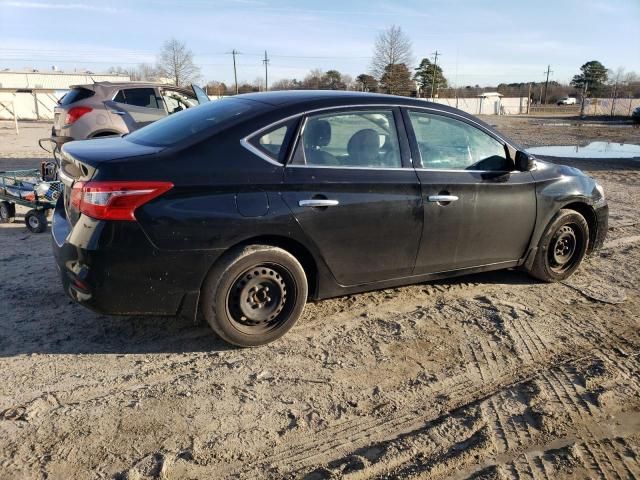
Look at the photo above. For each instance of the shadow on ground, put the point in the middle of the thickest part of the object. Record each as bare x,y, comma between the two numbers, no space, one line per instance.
68,328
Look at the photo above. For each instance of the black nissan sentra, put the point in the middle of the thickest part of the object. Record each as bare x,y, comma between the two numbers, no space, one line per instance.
246,207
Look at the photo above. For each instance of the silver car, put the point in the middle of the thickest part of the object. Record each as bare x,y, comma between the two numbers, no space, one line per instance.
104,108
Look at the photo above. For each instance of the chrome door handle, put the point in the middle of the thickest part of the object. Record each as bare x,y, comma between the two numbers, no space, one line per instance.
318,202
442,198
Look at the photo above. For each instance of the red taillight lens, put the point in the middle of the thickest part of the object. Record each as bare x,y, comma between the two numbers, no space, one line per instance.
76,195
115,200
75,113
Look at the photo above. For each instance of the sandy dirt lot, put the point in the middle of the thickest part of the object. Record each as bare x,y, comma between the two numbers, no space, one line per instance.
488,376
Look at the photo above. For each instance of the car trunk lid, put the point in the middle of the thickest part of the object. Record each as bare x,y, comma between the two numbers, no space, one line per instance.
81,160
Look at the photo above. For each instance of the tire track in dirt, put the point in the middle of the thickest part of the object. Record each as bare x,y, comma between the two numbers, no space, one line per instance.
558,382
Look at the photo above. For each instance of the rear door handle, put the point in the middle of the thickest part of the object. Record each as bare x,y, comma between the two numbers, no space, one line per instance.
442,198
318,202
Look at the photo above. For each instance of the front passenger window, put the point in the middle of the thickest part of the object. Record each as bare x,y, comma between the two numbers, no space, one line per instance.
360,138
449,144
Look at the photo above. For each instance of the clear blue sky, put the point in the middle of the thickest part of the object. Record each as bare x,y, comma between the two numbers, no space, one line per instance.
481,42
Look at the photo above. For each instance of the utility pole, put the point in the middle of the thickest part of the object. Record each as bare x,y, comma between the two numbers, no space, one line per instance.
584,94
266,75
433,80
235,74
613,98
529,98
546,83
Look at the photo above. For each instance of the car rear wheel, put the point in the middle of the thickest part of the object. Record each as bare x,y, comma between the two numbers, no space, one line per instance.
562,247
254,295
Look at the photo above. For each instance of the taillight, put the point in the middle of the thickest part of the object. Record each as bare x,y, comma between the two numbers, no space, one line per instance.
76,195
114,200
75,113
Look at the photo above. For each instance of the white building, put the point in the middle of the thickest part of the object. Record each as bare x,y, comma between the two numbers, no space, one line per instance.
32,95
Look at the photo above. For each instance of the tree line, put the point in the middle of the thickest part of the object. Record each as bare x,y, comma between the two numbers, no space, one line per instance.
392,72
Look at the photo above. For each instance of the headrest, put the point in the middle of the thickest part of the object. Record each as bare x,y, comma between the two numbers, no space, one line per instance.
364,145
317,133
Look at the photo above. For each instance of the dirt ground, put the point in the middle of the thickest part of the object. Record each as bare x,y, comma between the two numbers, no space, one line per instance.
488,376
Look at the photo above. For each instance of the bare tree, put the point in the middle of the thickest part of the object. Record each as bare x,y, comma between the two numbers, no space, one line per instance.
176,62
145,72
392,47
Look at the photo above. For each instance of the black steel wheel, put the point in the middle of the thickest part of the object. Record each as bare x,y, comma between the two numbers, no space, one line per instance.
257,301
562,247
7,212
36,221
254,295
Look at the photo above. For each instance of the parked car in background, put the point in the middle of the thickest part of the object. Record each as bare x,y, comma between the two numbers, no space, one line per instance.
104,109
635,116
246,207
567,101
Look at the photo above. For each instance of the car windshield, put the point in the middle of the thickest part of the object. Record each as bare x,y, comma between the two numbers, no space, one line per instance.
210,116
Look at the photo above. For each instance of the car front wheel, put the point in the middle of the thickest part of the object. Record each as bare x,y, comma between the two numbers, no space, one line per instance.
254,295
562,247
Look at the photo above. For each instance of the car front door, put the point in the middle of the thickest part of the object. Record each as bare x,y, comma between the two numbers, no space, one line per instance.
477,209
351,187
136,107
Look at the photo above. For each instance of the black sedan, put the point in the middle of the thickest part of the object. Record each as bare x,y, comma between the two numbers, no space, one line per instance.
246,207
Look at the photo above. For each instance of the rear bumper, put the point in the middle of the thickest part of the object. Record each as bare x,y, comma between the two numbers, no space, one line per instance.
113,268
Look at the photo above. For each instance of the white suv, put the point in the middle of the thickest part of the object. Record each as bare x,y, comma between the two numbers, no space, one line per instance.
104,108
567,101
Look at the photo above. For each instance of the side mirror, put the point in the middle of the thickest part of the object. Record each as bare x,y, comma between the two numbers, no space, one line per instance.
524,161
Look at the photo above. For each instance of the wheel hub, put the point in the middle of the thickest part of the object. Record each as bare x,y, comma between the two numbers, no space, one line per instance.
564,246
258,296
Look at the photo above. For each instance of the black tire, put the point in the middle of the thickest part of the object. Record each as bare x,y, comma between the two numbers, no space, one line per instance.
36,221
7,212
254,295
562,247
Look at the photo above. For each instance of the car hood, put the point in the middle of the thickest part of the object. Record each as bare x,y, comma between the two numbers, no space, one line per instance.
100,149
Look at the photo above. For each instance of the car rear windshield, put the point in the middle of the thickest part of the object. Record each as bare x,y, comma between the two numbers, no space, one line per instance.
210,116
75,95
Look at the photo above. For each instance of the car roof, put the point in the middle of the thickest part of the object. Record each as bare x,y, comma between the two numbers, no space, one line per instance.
123,84
313,99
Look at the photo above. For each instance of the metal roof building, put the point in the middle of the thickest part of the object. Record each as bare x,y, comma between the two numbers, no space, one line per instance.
52,80
33,95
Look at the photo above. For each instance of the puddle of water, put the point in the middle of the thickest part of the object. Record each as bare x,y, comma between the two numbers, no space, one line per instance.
593,150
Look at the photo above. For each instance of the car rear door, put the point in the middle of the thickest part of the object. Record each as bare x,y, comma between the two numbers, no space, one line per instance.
351,187
136,107
477,209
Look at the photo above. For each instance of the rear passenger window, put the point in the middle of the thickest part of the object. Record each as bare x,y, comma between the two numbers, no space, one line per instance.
139,97
366,138
274,142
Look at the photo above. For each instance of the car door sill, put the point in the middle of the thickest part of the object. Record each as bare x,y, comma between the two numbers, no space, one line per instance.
413,279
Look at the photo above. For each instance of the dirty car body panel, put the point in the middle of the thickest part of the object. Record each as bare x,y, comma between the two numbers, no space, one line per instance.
375,226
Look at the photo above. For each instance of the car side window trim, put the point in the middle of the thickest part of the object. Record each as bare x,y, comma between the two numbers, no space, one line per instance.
289,139
415,151
405,127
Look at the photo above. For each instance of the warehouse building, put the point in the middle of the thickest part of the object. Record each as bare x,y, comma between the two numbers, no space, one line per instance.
33,95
